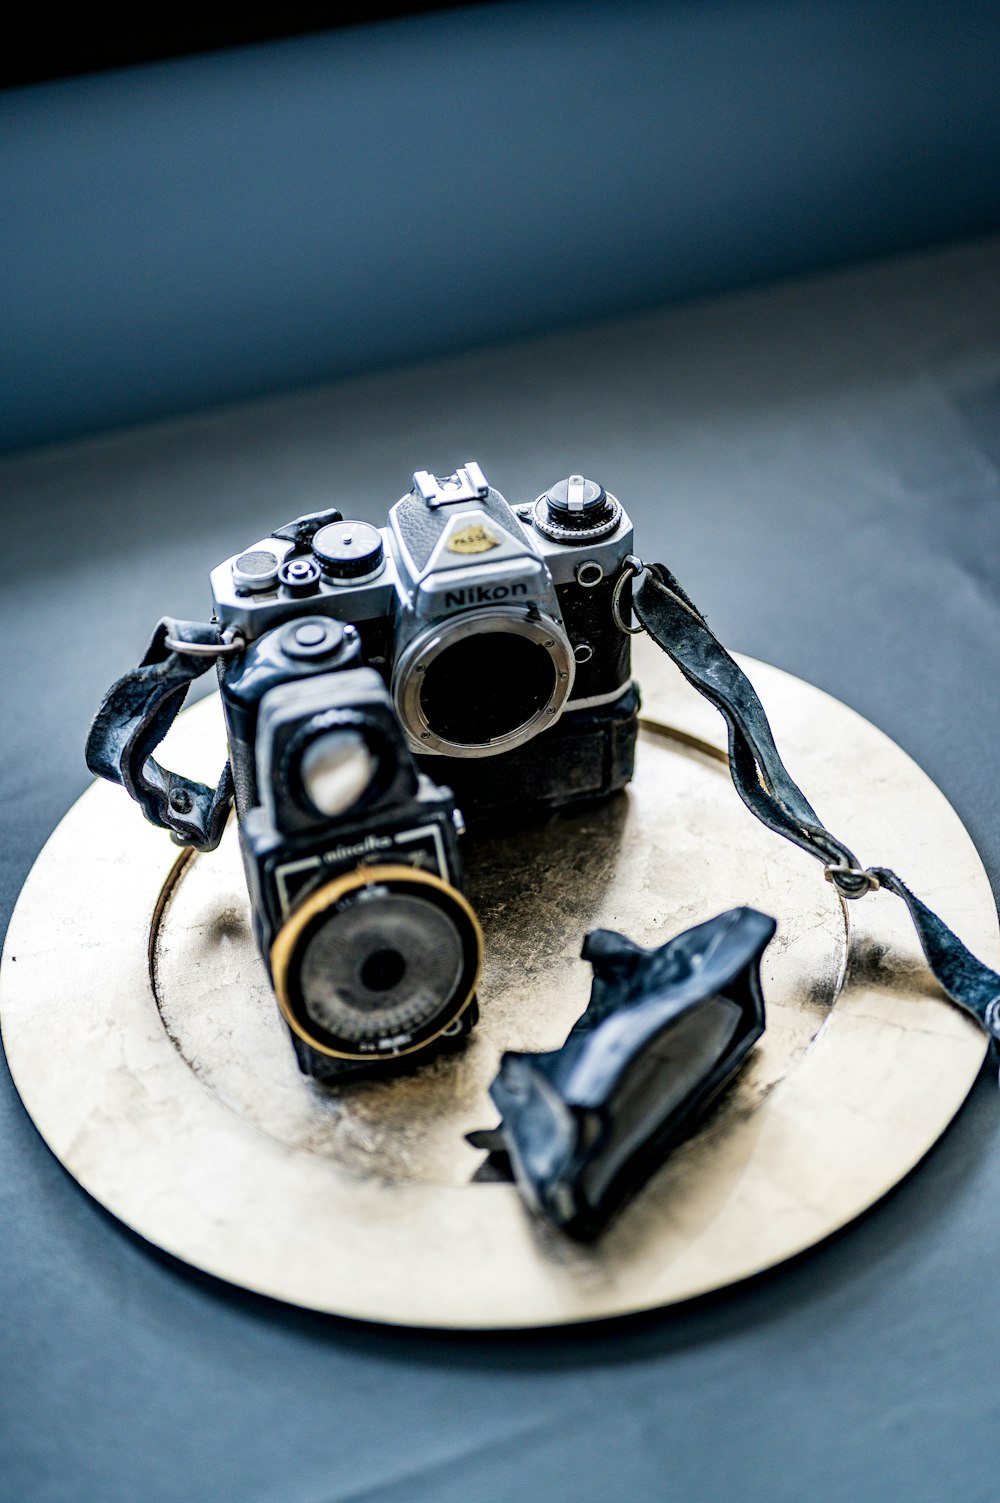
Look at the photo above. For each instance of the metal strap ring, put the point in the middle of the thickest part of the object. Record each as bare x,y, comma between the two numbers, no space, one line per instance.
230,643
630,567
852,881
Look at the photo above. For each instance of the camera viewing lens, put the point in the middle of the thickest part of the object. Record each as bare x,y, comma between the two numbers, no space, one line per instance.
486,687
383,964
336,768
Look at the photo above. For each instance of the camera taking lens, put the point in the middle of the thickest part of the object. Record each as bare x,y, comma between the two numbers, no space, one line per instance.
377,964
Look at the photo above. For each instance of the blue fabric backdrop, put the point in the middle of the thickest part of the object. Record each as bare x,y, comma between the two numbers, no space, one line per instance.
213,228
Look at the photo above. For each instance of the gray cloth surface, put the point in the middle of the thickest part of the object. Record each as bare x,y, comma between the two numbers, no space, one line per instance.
818,463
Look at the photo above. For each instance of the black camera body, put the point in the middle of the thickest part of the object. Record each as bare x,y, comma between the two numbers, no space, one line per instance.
466,657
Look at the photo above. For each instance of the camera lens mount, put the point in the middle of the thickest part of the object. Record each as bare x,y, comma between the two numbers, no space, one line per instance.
483,682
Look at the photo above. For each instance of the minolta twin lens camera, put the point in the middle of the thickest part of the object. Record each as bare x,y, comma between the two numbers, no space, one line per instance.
463,664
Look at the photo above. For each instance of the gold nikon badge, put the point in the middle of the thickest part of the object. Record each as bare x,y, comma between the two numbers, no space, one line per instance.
472,539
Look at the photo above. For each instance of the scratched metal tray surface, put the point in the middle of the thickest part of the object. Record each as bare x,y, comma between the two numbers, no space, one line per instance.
147,1047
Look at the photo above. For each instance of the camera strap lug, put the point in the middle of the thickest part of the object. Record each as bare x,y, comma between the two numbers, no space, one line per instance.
631,567
228,644
136,714
766,787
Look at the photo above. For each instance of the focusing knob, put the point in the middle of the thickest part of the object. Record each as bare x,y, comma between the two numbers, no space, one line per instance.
576,510
348,552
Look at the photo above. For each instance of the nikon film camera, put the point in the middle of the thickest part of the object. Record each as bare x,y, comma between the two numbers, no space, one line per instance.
467,657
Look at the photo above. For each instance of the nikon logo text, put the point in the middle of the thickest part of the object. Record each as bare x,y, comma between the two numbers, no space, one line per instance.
483,595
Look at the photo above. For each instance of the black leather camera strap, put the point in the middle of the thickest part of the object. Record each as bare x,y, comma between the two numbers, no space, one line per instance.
134,717
768,790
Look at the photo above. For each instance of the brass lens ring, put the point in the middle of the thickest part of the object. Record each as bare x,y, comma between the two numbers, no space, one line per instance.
286,942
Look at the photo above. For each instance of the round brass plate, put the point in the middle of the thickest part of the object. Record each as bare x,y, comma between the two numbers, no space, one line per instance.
148,1048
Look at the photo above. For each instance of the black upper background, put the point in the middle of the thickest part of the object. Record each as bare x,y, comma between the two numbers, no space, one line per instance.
43,49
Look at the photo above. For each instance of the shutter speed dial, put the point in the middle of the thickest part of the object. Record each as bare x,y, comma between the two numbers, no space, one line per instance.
349,552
